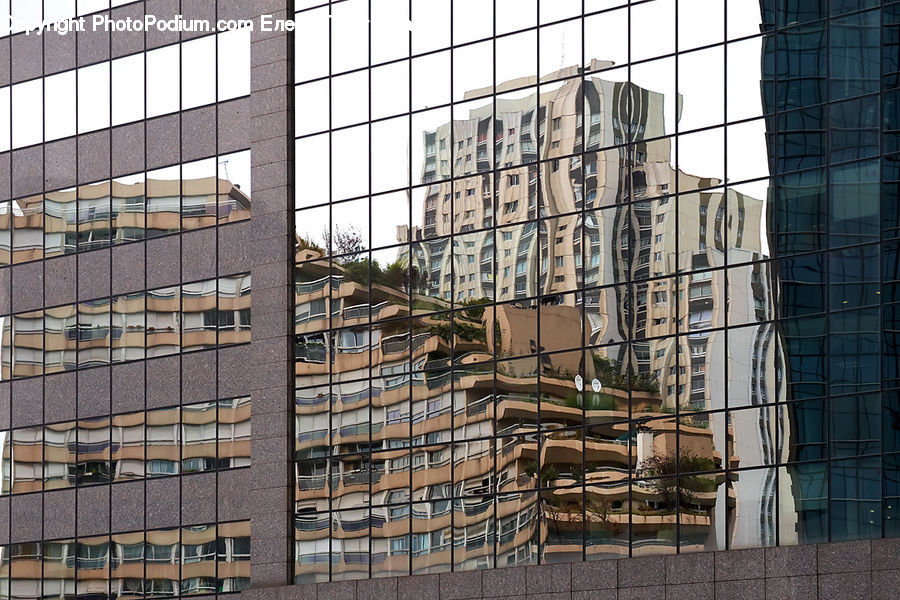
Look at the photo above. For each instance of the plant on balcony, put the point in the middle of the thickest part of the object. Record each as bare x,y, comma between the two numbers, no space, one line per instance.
666,468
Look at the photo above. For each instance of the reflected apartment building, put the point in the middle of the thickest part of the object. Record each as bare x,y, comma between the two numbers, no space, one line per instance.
194,438
421,428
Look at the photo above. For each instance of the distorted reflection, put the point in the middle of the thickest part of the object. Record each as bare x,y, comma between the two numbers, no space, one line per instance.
537,356
126,209
197,559
195,438
193,316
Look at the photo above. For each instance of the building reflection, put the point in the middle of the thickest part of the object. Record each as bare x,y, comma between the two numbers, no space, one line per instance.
192,438
126,209
540,371
192,316
191,560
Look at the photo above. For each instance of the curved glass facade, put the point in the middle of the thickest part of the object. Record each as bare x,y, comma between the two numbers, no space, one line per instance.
585,280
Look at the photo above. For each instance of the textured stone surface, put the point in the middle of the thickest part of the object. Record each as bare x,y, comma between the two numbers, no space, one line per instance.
26,516
235,242
740,564
163,9
791,588
59,170
234,125
377,589
790,561
163,261
844,557
548,579
611,594
337,590
886,554
650,592
127,506
163,387
461,585
649,570
503,582
198,498
27,402
163,141
127,42
93,274
741,589
27,286
59,52
847,586
198,254
885,584
127,149
27,171
691,591
418,587
127,389
4,520
92,510
127,268
27,57
198,376
5,408
689,568
59,397
198,127
234,372
93,45
93,156
93,392
5,300
61,274
59,514
163,499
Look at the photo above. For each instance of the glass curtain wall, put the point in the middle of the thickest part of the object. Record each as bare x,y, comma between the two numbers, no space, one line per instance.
573,283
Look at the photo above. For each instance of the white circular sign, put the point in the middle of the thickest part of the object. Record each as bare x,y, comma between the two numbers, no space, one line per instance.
595,385
579,383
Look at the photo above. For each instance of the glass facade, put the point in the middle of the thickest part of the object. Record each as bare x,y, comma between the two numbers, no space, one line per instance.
200,559
591,279
125,303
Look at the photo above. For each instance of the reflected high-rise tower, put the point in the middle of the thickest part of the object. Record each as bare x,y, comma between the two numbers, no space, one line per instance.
540,333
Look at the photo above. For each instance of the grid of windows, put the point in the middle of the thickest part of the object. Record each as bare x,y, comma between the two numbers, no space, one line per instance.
161,81
195,195
573,280
198,559
194,438
192,316
124,247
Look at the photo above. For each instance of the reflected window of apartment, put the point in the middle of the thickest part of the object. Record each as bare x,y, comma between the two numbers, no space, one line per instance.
163,201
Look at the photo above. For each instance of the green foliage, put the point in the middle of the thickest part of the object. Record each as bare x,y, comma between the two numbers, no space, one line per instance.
465,331
304,244
609,372
548,474
675,489
365,272
476,313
